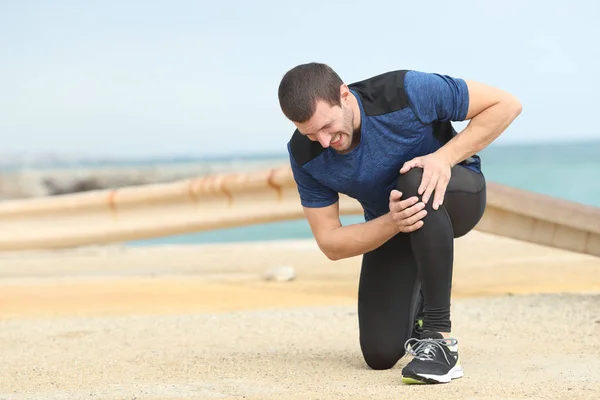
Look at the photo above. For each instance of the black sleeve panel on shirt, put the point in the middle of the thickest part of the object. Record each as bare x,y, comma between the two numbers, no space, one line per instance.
303,149
380,94
383,93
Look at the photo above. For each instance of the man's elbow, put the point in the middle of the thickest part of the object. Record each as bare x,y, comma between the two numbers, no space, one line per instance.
517,107
513,106
329,251
331,254
334,256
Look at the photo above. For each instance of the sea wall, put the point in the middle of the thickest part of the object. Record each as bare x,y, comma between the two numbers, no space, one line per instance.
247,198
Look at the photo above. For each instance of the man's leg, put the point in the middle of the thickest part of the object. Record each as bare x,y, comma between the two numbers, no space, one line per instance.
433,247
388,298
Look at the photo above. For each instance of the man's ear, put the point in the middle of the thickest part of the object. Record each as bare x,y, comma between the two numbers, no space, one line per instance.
344,92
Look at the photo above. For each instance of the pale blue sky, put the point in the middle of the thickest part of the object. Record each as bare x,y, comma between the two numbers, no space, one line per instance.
150,78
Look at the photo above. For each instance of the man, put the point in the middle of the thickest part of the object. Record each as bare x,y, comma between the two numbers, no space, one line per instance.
388,142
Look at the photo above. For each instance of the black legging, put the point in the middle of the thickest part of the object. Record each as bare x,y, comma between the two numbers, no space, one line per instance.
393,274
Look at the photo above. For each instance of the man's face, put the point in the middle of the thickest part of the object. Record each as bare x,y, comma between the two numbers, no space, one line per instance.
330,126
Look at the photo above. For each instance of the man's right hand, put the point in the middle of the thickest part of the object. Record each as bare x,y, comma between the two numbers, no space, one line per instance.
408,213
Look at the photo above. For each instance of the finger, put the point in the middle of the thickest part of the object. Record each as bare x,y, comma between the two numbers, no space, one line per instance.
406,167
404,204
408,212
400,215
440,191
395,195
415,218
415,162
427,174
430,187
399,207
412,228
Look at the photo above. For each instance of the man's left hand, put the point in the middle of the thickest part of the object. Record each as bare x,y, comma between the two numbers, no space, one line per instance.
436,175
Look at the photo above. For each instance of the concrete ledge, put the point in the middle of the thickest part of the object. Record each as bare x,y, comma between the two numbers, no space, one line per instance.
229,200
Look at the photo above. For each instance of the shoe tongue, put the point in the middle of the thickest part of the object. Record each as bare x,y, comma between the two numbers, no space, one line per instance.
431,335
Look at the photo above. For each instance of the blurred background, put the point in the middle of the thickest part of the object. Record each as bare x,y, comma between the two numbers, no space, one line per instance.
101,94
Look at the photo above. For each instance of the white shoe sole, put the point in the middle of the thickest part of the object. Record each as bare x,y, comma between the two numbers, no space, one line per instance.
454,373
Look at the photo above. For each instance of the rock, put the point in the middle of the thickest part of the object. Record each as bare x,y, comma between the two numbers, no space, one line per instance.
80,185
280,274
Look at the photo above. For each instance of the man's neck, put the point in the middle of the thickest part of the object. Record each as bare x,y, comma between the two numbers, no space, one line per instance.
357,116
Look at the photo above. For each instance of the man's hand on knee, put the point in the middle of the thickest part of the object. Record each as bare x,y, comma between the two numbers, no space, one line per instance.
436,175
407,213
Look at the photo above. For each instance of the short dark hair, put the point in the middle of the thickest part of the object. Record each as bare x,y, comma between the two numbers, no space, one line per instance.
302,86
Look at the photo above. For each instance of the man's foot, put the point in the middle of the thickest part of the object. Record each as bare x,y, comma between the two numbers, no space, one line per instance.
436,359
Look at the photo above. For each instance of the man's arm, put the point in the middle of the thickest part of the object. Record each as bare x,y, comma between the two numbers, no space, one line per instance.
435,97
490,112
338,242
321,208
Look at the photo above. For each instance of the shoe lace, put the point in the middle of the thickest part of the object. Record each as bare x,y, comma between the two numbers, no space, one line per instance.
426,349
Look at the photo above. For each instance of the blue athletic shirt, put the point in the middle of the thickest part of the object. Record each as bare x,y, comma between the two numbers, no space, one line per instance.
404,114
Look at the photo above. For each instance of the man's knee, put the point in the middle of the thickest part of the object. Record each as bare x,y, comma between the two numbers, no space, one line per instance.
381,361
409,182
380,358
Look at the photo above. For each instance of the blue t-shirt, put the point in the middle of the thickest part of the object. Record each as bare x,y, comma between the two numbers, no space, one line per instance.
404,114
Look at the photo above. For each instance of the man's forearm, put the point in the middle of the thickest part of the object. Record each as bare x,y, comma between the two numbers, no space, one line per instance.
482,130
353,240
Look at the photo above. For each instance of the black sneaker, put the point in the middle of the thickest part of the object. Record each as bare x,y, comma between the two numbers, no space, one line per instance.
435,359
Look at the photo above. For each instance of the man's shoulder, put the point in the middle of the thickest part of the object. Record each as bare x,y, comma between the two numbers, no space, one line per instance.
384,93
302,149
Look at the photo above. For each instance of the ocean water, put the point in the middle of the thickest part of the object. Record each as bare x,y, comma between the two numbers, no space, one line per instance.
569,171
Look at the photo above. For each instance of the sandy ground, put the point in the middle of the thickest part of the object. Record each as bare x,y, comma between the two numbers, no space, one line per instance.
194,322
